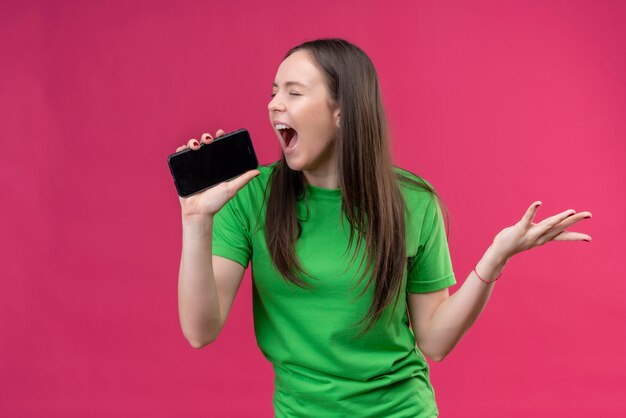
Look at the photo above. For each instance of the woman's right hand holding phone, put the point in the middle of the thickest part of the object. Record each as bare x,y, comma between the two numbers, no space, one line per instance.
210,201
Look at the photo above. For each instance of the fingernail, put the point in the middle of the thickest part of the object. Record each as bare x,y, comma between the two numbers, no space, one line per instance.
587,217
195,143
586,240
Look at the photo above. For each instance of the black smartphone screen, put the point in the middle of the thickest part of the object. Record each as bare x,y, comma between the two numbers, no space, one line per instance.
226,157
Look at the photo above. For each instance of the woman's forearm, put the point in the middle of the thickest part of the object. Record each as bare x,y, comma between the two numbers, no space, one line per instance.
198,306
456,314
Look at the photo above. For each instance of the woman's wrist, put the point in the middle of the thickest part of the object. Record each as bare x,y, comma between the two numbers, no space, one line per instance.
197,223
491,264
496,255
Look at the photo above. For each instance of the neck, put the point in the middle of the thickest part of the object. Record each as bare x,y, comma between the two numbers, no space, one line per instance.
325,173
326,180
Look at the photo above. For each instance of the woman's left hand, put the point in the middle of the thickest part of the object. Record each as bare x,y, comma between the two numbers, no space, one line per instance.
525,234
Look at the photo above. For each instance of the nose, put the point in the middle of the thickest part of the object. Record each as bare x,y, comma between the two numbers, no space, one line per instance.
275,104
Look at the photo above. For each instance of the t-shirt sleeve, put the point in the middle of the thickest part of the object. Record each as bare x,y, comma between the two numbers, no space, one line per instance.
231,233
431,268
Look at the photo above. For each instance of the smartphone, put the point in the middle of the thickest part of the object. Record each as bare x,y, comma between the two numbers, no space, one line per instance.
226,157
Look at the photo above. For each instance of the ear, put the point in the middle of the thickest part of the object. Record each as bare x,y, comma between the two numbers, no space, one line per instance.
337,116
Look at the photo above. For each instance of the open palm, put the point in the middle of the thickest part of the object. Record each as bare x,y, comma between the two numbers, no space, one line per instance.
525,234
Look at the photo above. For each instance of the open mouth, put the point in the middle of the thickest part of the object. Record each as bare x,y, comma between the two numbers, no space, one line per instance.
290,137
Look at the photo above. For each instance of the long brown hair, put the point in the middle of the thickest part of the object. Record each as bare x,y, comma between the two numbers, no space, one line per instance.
371,198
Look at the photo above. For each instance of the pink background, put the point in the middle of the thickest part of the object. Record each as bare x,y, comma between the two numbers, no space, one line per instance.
496,103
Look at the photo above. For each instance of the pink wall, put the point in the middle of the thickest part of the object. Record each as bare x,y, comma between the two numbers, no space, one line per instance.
496,104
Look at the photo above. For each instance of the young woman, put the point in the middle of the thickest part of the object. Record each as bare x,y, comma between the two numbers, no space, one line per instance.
350,261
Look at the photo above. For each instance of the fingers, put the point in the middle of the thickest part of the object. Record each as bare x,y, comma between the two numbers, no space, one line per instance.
206,138
193,144
572,219
556,219
528,217
572,236
558,232
553,228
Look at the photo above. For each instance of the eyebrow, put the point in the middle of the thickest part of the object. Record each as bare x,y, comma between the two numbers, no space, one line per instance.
290,83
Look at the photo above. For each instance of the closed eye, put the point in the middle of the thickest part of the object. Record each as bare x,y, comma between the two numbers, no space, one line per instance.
291,94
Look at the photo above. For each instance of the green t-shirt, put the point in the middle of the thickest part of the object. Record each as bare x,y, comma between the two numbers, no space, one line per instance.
307,333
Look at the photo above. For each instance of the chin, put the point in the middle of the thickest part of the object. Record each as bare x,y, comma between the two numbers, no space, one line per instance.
294,164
